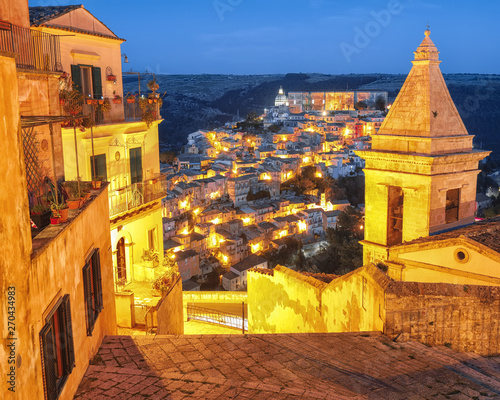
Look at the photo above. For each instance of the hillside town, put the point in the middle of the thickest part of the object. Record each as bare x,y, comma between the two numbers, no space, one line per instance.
231,191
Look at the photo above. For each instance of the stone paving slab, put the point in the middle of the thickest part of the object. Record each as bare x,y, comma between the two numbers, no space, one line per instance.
294,366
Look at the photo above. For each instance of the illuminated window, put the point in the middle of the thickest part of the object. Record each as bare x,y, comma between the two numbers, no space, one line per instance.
57,352
452,202
92,286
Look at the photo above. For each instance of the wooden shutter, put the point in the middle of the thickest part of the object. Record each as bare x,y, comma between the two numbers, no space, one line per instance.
96,82
68,330
76,77
96,271
87,289
48,356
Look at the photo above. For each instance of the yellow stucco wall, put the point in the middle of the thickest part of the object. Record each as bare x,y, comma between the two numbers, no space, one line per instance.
284,303
354,303
289,302
135,231
437,262
43,277
58,271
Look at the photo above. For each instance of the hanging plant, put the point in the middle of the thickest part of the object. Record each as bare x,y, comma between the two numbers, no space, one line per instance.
106,106
153,86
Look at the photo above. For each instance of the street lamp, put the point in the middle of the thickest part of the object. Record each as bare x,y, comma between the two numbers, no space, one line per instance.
125,58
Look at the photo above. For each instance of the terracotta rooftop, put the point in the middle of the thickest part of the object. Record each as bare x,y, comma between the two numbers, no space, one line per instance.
295,366
485,232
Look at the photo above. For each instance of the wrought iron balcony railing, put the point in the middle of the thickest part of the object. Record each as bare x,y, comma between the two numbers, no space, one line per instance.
118,112
132,196
35,50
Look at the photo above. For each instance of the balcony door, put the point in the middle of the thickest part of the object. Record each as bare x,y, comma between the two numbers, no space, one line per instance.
135,165
98,166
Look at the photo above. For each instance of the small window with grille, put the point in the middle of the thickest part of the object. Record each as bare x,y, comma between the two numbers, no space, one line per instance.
57,351
93,290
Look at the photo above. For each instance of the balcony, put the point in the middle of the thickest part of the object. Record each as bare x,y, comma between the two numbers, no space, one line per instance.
116,112
129,197
36,51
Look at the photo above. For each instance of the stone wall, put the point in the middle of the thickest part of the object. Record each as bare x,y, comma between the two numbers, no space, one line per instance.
170,311
463,317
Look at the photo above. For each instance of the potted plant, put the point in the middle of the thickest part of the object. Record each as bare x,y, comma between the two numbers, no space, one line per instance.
60,211
106,106
149,114
111,78
40,215
130,98
96,182
153,86
55,219
100,101
162,284
73,194
117,99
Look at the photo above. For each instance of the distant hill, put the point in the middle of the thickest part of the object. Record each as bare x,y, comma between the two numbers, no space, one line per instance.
207,101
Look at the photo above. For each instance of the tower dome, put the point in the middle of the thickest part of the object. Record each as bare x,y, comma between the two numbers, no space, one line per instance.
281,99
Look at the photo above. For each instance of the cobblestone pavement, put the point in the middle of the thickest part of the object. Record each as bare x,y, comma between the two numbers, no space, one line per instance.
294,366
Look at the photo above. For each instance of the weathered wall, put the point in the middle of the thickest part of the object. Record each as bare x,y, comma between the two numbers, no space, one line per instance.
56,271
465,318
355,302
15,11
170,312
15,236
125,310
284,303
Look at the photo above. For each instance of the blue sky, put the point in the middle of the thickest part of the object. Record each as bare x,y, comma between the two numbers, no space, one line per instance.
280,36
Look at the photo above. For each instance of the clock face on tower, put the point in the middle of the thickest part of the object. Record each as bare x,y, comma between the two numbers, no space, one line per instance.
117,156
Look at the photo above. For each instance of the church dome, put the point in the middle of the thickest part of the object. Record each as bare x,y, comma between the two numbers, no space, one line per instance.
281,98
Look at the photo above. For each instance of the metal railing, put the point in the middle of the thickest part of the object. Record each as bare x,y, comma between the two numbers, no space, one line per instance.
217,317
129,197
35,50
131,111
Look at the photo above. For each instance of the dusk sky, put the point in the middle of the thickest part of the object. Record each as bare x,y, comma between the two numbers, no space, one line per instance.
280,36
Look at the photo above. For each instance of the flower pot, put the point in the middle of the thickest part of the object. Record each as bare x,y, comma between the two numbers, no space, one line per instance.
130,100
55,220
96,184
64,214
111,78
86,197
90,101
74,204
150,101
117,101
42,219
100,102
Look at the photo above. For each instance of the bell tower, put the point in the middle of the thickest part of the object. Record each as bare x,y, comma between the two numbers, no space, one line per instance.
420,174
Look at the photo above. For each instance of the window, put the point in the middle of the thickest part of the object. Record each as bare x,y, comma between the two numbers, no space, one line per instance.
92,290
135,165
452,202
152,239
58,356
395,216
98,166
88,80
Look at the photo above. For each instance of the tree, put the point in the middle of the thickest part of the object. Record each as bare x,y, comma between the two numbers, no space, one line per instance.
380,103
168,157
360,105
274,128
